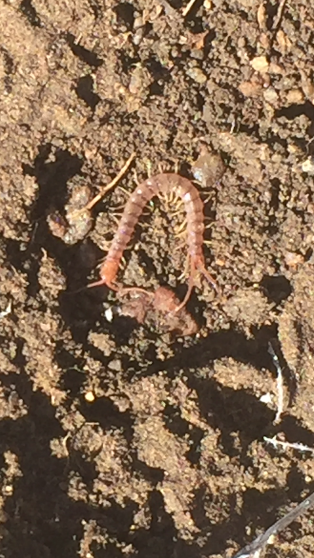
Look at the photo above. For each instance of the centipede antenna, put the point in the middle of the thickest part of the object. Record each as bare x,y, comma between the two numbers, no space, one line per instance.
100,283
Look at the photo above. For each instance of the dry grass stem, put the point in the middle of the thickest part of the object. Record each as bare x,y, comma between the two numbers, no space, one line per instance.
253,549
286,445
111,184
280,396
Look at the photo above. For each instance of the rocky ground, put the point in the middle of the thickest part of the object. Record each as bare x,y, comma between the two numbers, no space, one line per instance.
127,431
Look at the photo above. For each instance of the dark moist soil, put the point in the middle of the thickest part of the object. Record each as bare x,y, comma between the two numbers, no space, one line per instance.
121,435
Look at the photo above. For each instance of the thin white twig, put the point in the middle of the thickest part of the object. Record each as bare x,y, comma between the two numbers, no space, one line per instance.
280,396
285,445
187,8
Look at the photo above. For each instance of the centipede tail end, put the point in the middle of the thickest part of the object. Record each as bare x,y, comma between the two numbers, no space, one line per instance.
202,269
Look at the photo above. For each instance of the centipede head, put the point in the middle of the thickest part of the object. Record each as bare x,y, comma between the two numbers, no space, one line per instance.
108,273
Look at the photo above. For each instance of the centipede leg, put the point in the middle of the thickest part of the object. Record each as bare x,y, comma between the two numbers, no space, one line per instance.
190,286
181,229
186,268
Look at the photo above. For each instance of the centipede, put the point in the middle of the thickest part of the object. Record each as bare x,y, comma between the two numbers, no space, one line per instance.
162,184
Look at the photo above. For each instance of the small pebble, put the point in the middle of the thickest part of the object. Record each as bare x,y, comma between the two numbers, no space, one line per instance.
308,165
271,96
89,397
197,75
115,365
295,96
260,64
108,314
208,168
77,221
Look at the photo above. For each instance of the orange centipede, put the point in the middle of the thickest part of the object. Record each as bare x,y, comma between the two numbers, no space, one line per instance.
160,184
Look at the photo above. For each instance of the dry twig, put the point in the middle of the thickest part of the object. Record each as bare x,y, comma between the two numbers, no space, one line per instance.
111,184
286,445
253,549
278,17
188,8
280,397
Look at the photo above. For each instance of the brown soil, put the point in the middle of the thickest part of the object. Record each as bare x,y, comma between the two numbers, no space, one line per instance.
119,438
